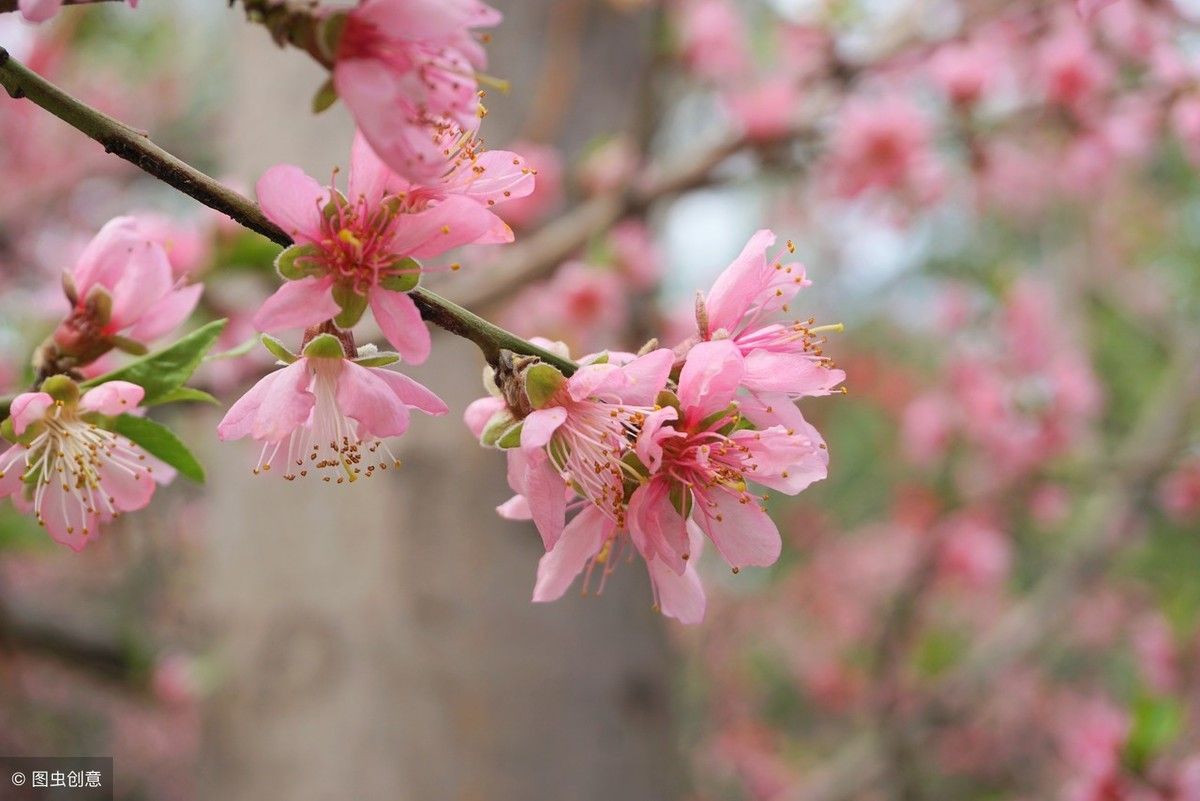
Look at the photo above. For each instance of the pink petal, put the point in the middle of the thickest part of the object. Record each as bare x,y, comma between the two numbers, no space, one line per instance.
400,321
792,373
369,176
363,395
412,392
273,408
175,307
12,470
658,531
654,431
112,398
297,304
480,412
785,461
28,408
103,259
680,596
452,222
540,425
745,535
493,177
593,379
145,280
515,508
532,475
39,10
709,379
293,201
739,285
580,541
646,376
128,491
66,517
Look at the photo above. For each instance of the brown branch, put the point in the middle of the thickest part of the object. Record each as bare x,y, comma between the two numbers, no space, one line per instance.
136,148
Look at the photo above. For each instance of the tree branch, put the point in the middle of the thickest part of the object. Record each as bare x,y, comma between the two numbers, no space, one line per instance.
136,148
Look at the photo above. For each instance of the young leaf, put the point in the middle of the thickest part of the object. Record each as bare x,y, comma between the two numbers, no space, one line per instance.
182,394
158,440
168,369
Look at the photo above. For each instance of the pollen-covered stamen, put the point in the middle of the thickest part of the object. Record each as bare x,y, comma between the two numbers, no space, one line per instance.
329,444
69,463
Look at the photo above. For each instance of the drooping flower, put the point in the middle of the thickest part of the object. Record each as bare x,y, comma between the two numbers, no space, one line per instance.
782,361
701,459
122,292
73,473
362,250
326,413
407,71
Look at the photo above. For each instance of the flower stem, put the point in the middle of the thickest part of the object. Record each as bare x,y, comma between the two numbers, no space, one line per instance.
135,147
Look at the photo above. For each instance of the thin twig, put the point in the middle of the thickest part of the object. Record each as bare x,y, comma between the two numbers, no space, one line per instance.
136,148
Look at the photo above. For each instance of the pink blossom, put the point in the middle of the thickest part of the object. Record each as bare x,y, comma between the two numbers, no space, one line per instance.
359,251
700,464
122,285
1070,71
71,471
782,360
884,144
964,71
975,552
635,254
712,39
407,71
328,413
767,109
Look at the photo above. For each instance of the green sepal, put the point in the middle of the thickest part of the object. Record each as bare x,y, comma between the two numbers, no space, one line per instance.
324,346
542,382
61,388
160,442
407,277
325,97
289,266
730,411
1157,723
167,369
278,349
336,201
353,305
681,500
329,34
511,438
183,395
379,359
601,359
668,398
8,430
559,451
499,423
130,346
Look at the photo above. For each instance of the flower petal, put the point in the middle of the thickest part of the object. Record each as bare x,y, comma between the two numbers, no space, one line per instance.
293,201
400,321
680,596
112,398
413,393
363,395
740,529
28,408
580,541
297,304
479,413
540,425
273,408
709,379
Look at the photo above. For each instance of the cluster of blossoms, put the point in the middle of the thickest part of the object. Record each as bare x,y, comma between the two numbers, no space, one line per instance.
662,450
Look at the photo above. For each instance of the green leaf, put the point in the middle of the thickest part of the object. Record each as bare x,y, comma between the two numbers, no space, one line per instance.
235,352
289,265
324,346
1157,722
541,383
325,97
168,369
278,349
159,441
183,394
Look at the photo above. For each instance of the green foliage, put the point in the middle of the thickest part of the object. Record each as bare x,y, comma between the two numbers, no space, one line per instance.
167,370
158,440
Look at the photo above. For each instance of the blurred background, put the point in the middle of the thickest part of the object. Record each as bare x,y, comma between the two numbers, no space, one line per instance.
994,595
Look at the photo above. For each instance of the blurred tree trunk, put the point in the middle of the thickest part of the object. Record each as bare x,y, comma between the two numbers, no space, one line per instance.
376,640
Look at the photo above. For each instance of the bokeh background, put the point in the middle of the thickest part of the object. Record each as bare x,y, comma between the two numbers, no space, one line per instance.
993,596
